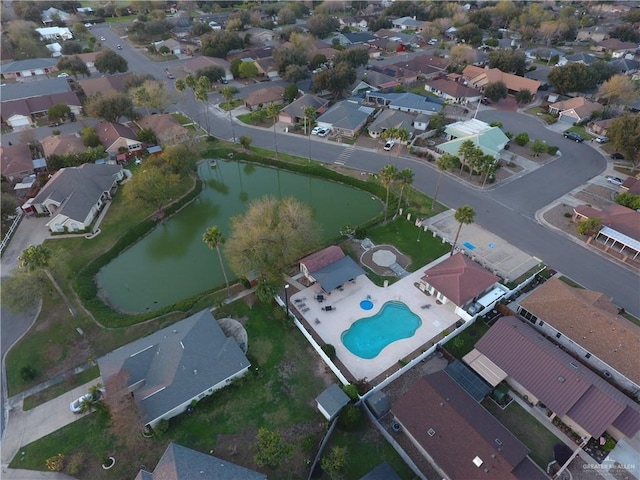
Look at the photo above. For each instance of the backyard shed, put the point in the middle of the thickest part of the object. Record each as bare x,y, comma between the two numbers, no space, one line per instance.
331,401
379,403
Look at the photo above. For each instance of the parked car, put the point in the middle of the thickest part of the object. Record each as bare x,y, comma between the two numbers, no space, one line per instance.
485,101
573,136
102,39
389,145
617,156
615,180
119,47
323,132
315,130
76,405
170,75
379,58
602,139
63,75
433,41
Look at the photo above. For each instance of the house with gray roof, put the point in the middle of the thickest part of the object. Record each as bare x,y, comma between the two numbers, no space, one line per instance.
33,67
388,118
51,86
331,401
74,195
345,118
175,366
407,23
294,112
384,471
582,57
405,102
182,463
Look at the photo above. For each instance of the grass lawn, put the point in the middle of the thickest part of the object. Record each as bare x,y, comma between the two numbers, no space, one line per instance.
403,235
277,393
124,19
58,389
527,429
580,130
183,119
159,58
226,106
542,112
464,342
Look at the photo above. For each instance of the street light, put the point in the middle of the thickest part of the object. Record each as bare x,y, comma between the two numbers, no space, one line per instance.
286,298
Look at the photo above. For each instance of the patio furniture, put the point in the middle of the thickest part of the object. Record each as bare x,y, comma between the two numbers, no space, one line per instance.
428,305
305,310
317,321
328,308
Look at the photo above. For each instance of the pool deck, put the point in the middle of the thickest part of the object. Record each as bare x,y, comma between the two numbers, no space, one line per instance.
346,310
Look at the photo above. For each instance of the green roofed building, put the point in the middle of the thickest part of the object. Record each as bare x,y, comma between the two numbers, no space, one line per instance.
491,140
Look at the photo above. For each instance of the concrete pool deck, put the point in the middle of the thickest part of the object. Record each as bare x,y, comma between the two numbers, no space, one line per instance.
330,325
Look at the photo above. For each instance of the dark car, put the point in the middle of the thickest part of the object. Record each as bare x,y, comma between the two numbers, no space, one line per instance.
617,156
485,101
574,136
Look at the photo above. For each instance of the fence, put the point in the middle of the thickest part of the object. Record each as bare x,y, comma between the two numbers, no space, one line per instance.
11,231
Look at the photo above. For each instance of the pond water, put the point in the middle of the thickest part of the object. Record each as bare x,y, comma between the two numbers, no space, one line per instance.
173,263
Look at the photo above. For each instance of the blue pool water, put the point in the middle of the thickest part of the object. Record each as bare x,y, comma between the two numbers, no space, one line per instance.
470,246
367,337
366,304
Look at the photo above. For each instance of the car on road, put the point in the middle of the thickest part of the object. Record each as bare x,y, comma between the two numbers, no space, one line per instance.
573,136
102,39
76,405
88,26
614,180
323,132
379,58
170,75
119,47
602,139
63,75
315,130
389,145
617,156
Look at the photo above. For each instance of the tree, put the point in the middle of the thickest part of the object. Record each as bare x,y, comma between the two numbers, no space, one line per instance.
625,33
234,67
248,70
496,91
444,163
624,134
405,177
8,205
387,176
71,48
335,462
464,215
273,111
35,257
152,94
290,93
334,79
523,96
322,25
468,152
589,226
401,135
126,421
146,135
269,236
245,141
220,42
538,147
153,186
228,94
110,62
58,112
110,107
618,89
272,449
629,200
295,73
509,61
317,60
90,137
177,158
572,77
354,57
213,238
285,56
212,72
75,65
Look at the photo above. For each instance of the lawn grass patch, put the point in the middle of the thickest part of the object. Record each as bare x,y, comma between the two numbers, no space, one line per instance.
582,131
527,429
226,106
464,342
182,119
403,234
123,19
570,282
58,389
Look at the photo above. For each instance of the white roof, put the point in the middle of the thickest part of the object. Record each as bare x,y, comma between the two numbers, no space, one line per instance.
621,237
46,31
468,127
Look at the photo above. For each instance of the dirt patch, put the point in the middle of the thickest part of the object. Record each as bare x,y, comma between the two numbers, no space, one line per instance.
560,217
525,152
597,196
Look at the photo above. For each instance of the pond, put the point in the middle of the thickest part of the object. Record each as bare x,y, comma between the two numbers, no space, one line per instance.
173,263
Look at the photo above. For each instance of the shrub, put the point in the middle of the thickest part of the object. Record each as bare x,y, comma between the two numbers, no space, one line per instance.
552,149
329,350
522,139
360,233
351,391
76,464
56,132
568,214
28,373
629,200
245,141
162,426
350,418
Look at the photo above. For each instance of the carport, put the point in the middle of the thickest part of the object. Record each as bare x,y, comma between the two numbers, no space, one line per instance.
337,273
618,238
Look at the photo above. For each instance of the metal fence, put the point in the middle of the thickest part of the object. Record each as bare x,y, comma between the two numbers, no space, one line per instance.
11,231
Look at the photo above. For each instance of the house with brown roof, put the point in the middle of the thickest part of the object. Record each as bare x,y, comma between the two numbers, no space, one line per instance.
457,435
588,325
480,77
198,63
16,162
463,283
117,138
105,85
61,144
453,92
574,110
631,185
294,112
542,373
22,112
89,60
167,129
591,34
617,48
600,127
265,96
329,267
16,114
620,232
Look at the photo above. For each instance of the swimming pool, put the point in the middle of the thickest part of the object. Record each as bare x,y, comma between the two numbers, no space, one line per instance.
367,337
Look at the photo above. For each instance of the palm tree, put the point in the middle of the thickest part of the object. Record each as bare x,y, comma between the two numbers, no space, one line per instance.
273,111
464,215
387,176
309,116
444,163
406,178
467,151
213,238
201,94
390,134
228,93
402,136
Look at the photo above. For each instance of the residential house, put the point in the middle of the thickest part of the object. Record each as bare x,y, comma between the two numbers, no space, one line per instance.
388,118
428,66
331,401
89,60
252,53
587,324
402,74
620,232
582,57
16,114
421,121
267,67
407,23
74,195
405,102
181,26
540,372
617,48
55,49
328,53
175,47
464,284
624,65
399,38
439,417
374,79
631,185
22,113
481,77
54,33
574,110
592,34
33,67
175,366
198,63
265,96
545,54
49,16
106,85
491,140
118,139
330,267
16,162
600,127
260,36
345,118
62,144
358,38
294,112
384,471
167,129
181,463
18,90
453,92
359,22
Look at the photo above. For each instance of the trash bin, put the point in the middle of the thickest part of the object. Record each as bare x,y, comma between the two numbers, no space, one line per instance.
286,129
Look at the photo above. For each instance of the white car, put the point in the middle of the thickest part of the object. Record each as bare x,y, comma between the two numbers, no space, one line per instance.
76,405
614,180
63,75
323,132
389,145
316,130
102,39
